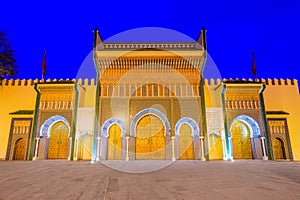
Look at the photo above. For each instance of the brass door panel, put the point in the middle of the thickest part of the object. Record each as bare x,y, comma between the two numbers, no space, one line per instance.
186,150
19,151
157,145
114,146
278,149
242,148
58,145
150,139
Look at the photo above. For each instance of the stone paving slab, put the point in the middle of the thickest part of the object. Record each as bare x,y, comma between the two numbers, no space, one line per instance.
57,179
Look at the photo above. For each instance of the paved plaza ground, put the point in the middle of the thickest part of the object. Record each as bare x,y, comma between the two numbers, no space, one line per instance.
242,179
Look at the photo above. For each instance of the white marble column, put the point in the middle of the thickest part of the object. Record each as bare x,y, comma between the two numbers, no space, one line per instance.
98,149
173,148
37,142
230,148
264,148
127,148
202,148
76,150
224,148
70,147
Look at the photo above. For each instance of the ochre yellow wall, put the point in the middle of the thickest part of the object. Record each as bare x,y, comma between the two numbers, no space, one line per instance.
17,96
13,98
212,93
286,97
87,90
277,97
213,103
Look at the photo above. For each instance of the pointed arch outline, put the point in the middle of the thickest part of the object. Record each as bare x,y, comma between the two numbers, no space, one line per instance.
108,123
18,138
191,123
251,123
47,125
152,111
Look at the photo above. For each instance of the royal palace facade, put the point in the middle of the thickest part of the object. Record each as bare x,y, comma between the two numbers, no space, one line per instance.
149,101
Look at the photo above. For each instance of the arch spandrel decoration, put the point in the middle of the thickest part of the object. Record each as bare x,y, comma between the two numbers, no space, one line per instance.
47,125
191,123
108,123
154,112
254,127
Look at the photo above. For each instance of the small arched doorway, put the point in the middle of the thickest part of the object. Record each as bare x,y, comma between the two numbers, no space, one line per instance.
113,133
58,141
187,138
186,150
19,150
150,138
241,143
114,148
278,149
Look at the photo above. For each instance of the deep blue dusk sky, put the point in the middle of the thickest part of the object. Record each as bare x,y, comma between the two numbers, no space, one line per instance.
235,29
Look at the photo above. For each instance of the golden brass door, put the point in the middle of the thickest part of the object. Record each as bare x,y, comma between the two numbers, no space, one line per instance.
58,145
242,148
150,140
19,151
114,143
186,149
278,149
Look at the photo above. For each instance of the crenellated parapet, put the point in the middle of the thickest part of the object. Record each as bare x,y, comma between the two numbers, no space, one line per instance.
279,82
31,82
86,82
270,82
92,82
18,82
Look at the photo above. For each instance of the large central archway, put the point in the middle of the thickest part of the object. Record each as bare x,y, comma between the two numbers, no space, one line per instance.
150,141
150,128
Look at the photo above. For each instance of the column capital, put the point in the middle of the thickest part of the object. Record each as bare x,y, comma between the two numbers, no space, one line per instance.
98,138
262,138
127,137
201,137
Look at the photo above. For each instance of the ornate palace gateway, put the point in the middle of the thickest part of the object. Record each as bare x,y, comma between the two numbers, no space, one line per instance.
150,101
